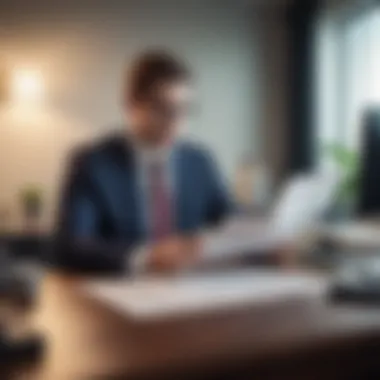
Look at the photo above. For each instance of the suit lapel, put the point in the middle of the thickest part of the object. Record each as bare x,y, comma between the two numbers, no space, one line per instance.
124,194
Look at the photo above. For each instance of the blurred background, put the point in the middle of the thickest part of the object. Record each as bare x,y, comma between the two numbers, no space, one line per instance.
282,86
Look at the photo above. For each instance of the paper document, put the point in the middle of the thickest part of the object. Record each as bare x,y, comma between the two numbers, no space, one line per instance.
298,209
304,200
156,298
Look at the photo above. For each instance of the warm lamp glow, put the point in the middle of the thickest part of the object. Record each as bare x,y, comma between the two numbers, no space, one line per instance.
27,86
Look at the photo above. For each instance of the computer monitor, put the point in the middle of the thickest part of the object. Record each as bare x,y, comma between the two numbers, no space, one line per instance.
369,178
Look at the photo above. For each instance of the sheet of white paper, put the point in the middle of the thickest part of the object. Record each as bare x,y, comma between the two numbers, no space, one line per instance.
156,298
304,200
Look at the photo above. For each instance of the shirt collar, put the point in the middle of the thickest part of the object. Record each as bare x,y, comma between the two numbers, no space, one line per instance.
146,155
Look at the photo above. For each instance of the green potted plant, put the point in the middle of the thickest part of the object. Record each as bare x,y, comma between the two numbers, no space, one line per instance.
31,198
347,162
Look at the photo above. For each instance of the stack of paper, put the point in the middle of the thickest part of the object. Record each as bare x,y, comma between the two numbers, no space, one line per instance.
155,298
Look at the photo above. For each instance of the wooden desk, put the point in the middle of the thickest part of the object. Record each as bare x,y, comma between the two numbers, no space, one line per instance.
291,340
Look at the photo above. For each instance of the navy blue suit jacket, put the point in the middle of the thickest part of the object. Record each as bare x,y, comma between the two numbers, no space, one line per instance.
101,220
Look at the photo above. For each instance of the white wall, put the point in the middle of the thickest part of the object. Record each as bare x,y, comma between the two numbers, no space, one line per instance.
81,48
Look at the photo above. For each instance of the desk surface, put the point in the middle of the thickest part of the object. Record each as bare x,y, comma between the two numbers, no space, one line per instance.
86,339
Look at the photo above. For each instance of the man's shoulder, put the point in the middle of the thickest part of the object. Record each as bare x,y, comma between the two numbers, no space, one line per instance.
195,150
199,159
98,149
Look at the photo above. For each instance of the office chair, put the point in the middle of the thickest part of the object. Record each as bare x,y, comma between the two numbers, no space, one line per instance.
369,178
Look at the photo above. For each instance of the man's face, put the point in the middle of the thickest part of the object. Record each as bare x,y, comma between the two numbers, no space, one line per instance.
158,119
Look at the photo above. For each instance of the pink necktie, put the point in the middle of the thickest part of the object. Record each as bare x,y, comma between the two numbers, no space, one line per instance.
161,213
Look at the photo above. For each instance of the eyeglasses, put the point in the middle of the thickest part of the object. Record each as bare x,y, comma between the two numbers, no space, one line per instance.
168,110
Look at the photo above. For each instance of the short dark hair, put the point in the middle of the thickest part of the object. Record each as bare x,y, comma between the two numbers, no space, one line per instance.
150,69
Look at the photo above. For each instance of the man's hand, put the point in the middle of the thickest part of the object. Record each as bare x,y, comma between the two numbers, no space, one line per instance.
174,253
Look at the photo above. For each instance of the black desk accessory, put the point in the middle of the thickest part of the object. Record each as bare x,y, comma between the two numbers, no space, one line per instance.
27,349
16,288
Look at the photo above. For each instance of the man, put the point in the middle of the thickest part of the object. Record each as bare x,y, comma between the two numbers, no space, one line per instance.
136,200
